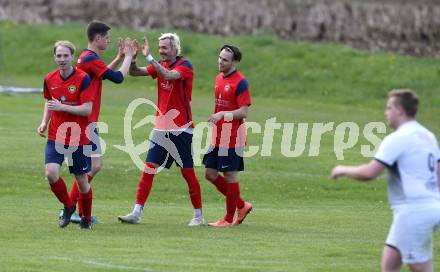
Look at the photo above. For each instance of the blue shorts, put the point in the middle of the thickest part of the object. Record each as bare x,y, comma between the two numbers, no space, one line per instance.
78,162
224,159
95,142
168,147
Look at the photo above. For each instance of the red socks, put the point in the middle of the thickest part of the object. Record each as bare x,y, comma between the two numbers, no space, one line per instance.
145,184
74,193
221,185
193,187
86,202
232,196
60,191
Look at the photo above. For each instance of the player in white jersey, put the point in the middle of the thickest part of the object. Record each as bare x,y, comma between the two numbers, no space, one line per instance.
412,156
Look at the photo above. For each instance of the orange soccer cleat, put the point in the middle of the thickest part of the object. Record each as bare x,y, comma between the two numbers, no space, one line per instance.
242,213
222,223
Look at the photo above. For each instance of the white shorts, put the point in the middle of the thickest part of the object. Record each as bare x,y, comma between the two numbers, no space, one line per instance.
412,230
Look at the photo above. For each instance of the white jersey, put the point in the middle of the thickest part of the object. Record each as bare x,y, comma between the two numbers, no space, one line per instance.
411,154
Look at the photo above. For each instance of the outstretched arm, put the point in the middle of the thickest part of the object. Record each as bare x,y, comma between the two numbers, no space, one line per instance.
364,172
118,76
138,71
128,52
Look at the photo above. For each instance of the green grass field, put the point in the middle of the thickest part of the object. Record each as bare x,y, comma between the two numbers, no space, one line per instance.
302,220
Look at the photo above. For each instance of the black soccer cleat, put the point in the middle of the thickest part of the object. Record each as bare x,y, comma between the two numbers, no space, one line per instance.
65,218
85,224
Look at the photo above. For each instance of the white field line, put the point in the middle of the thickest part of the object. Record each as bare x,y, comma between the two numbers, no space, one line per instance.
97,263
12,89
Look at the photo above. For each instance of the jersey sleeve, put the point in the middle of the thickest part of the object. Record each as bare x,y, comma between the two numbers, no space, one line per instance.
86,93
113,76
185,69
151,71
390,150
94,64
438,155
438,149
242,94
46,93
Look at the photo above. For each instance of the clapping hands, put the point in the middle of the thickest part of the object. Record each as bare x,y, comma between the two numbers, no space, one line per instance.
127,47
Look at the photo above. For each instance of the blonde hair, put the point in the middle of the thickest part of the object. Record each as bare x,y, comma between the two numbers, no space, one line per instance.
174,40
65,44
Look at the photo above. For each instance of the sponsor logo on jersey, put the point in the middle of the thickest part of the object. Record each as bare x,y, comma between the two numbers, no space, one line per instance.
166,85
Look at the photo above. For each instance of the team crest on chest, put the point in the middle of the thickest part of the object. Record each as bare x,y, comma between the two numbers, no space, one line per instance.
72,88
227,87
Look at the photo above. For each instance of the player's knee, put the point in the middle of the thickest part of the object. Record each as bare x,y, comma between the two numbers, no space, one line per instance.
423,267
211,176
96,167
388,266
230,177
391,259
51,175
83,185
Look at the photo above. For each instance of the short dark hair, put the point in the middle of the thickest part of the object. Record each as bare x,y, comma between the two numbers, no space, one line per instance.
236,54
96,28
406,98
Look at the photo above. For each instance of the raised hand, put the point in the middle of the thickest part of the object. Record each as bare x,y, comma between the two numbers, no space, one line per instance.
145,47
135,48
128,47
121,53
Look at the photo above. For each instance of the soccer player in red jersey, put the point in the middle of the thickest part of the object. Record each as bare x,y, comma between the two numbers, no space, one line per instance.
90,62
172,135
232,100
69,103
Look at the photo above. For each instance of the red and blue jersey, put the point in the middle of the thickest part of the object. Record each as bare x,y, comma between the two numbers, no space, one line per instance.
231,93
95,67
73,90
174,95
